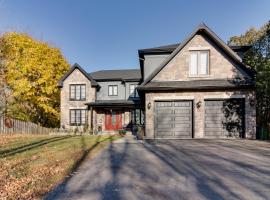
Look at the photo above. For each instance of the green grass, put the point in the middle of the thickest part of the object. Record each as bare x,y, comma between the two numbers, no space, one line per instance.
32,165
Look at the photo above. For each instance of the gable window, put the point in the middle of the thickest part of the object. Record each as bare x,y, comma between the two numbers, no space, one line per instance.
77,92
113,90
132,90
77,117
199,63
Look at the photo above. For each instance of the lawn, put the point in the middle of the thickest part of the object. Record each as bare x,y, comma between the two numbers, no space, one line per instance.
32,165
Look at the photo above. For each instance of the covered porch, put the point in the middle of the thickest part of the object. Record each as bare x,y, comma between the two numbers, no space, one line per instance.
114,115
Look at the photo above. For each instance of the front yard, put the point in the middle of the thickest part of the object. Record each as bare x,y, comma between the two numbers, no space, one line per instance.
32,165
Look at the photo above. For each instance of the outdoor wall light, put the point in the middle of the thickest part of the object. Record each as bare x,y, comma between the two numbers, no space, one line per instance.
198,104
149,105
251,102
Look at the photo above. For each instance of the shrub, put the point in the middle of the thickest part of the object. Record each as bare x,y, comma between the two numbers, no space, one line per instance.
122,132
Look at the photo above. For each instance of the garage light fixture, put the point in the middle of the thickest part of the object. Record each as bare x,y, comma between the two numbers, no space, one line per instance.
198,104
251,102
149,105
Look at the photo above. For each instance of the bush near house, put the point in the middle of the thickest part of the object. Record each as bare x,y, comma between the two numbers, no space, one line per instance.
32,165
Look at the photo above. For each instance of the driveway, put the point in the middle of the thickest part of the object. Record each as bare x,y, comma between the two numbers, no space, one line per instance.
178,169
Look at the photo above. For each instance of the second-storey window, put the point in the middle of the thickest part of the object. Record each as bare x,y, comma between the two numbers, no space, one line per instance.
199,63
132,90
77,92
113,90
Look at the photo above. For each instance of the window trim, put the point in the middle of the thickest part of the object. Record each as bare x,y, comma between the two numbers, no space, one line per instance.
135,94
198,52
112,90
74,99
75,123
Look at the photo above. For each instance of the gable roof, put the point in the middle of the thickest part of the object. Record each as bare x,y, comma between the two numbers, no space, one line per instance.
77,66
122,75
201,28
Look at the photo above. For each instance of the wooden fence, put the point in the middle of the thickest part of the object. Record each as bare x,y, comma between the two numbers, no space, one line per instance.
8,125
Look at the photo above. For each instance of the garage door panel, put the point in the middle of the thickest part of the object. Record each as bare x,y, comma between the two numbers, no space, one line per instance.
164,126
164,104
164,134
165,111
173,121
165,118
182,118
217,125
182,111
222,117
182,133
181,104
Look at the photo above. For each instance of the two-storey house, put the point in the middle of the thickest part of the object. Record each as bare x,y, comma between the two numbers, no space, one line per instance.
195,89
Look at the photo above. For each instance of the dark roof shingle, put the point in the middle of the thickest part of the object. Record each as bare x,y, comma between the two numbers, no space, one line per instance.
197,84
123,74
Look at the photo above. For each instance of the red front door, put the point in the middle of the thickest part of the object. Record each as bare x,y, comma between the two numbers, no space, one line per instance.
113,120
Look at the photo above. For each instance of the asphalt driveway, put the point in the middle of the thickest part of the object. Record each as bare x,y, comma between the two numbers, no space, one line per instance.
179,169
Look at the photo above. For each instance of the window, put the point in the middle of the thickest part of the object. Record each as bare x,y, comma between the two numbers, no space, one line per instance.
77,92
77,117
137,116
132,90
113,90
199,63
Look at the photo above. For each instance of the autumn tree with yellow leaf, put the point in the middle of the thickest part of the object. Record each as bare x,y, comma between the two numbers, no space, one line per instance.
30,71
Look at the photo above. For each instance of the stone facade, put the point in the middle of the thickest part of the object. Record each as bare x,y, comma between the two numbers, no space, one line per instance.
198,113
76,77
220,66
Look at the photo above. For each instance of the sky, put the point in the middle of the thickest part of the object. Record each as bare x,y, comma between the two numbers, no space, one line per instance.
106,34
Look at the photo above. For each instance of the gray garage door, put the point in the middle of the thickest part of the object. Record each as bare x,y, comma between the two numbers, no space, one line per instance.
173,119
224,118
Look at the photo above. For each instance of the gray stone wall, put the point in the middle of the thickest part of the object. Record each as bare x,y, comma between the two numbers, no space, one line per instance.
220,66
250,111
76,77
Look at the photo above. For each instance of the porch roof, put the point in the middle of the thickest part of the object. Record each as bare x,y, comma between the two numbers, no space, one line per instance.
114,103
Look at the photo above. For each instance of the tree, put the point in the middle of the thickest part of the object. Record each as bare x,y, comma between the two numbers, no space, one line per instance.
249,37
31,70
258,58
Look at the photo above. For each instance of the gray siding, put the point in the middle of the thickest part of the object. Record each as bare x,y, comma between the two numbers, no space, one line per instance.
151,62
123,90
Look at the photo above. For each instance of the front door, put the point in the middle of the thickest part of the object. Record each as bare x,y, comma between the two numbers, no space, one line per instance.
113,120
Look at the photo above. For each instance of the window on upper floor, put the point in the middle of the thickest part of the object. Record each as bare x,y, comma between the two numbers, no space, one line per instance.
132,90
199,63
113,90
77,117
77,92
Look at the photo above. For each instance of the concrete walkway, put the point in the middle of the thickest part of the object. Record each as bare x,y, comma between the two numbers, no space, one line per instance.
182,169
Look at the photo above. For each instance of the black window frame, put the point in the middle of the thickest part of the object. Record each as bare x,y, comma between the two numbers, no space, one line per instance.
75,118
75,92
137,115
135,93
112,90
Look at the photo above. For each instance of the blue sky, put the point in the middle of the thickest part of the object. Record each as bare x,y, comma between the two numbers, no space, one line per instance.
106,34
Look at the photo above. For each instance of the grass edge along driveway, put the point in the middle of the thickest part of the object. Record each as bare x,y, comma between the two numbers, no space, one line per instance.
32,165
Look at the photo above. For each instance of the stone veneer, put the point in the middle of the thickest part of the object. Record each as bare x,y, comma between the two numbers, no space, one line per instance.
198,113
76,77
220,66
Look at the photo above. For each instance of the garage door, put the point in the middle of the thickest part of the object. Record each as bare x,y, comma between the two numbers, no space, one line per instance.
173,119
224,118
